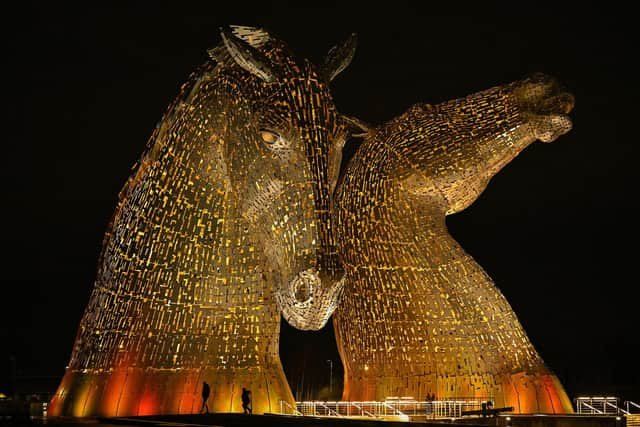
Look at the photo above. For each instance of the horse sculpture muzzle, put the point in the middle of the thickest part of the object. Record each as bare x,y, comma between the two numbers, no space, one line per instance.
310,299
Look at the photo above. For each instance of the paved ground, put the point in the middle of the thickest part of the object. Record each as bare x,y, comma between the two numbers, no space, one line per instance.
240,420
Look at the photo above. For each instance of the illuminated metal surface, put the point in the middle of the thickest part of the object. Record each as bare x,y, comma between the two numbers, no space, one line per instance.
418,314
224,225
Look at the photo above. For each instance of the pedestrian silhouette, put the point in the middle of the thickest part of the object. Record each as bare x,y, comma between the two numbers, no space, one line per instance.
429,404
205,396
246,401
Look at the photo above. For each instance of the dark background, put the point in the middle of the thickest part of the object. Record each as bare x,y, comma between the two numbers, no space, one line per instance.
556,229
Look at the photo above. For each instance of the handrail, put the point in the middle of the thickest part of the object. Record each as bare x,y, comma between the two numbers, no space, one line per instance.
628,402
597,411
404,408
604,405
329,410
288,405
618,409
363,411
396,410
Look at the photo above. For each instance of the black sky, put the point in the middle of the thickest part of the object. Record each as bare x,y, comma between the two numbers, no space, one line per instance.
556,229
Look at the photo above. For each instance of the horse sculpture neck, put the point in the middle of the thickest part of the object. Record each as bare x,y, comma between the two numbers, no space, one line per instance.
419,315
181,293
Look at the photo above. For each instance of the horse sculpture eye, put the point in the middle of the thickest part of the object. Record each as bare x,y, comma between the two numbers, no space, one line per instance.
268,136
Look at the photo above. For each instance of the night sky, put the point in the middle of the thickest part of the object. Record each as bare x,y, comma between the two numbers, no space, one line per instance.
556,229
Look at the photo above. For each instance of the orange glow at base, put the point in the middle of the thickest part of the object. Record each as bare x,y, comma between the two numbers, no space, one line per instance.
148,404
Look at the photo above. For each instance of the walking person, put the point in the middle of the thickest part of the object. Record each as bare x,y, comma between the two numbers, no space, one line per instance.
205,396
246,401
429,404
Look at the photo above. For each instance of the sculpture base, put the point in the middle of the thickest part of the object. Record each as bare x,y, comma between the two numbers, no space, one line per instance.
538,392
137,392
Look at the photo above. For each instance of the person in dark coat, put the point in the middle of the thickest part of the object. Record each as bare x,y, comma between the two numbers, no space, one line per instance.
205,396
246,401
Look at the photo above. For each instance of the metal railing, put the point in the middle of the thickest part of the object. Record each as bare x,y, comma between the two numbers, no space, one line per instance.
600,405
402,408
287,409
405,408
632,407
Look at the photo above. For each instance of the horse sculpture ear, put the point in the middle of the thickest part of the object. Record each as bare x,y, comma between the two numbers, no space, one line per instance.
247,56
357,128
339,57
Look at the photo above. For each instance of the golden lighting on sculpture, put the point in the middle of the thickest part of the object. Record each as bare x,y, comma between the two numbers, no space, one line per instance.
418,315
230,221
224,225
